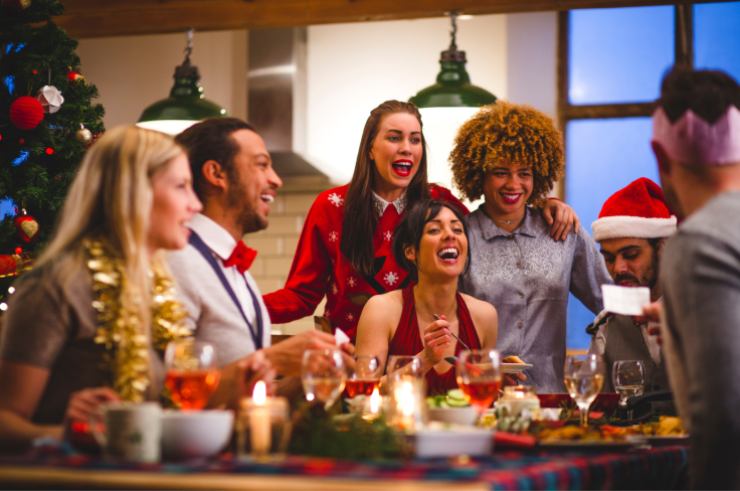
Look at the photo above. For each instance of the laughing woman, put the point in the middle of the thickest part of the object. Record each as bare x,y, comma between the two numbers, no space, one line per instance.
512,155
431,242
344,252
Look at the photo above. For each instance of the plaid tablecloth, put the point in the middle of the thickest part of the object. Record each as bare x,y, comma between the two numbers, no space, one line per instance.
656,468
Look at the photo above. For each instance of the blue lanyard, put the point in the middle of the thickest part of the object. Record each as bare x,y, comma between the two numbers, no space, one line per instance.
206,252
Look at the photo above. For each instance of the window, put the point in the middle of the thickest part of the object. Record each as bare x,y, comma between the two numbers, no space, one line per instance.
611,64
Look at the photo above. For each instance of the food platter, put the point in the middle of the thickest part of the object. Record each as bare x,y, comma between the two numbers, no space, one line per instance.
514,367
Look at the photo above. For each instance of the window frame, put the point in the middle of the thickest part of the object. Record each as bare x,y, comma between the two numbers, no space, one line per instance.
683,44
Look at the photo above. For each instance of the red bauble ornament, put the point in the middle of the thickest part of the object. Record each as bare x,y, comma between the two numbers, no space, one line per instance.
73,76
27,227
26,112
49,151
8,265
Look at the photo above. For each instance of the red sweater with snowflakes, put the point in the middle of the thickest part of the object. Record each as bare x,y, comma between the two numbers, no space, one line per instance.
319,268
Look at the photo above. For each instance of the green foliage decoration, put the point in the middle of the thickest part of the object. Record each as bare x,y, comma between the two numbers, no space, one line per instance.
35,52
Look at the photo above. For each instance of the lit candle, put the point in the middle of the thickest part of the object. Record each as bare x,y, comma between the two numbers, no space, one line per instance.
374,404
406,407
259,420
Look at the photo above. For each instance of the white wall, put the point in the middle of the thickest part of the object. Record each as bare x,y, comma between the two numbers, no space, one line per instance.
531,50
133,72
354,67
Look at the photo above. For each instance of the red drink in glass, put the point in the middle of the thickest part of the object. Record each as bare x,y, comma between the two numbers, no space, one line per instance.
481,393
356,387
192,388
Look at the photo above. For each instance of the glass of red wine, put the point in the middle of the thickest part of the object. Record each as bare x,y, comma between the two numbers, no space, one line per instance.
192,375
479,377
363,377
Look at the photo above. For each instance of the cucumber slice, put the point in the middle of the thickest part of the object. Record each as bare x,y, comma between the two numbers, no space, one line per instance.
456,398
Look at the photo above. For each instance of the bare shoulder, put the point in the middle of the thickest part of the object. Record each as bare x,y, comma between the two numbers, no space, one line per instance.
385,305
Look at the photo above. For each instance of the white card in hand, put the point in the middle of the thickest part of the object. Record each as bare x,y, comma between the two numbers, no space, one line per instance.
341,337
625,300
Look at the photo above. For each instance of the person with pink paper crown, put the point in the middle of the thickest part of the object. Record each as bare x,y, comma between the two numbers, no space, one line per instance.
631,230
696,141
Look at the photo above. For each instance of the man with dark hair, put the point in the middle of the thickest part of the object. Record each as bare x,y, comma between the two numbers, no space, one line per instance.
234,179
696,141
631,230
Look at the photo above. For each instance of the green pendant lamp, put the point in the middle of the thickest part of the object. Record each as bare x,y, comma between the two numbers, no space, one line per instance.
186,104
453,87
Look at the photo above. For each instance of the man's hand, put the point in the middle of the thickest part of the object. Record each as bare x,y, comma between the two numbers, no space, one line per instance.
652,313
561,218
286,355
254,368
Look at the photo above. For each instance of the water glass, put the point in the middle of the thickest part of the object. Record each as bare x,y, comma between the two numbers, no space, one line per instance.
323,375
479,377
584,378
628,378
192,375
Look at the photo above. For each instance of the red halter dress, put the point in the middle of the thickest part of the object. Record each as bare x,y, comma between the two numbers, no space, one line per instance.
407,340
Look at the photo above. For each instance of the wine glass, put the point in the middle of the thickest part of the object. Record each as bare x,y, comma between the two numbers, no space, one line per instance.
479,377
192,375
402,366
364,376
628,377
323,375
584,377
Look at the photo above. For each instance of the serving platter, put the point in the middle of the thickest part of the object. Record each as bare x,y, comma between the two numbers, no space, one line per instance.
514,367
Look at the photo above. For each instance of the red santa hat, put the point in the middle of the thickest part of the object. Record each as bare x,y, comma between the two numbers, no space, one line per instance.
637,210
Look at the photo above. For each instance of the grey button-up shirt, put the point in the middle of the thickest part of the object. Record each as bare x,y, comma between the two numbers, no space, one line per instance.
527,275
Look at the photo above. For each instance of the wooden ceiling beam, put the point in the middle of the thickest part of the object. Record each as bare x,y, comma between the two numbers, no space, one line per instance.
97,18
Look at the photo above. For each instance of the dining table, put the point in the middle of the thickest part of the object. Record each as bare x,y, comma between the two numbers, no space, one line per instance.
51,465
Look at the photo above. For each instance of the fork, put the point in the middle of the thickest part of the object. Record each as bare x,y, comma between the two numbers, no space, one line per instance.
436,317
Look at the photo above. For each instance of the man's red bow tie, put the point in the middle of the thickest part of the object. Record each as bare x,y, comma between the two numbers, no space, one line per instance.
241,257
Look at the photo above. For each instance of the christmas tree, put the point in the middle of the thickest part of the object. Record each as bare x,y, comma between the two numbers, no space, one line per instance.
47,121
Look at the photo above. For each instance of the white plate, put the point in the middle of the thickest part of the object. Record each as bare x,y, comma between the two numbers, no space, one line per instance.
438,440
515,367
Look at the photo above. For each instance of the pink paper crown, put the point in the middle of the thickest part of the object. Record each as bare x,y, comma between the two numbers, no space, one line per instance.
693,140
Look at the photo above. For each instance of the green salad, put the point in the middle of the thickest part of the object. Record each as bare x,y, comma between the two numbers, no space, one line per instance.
453,398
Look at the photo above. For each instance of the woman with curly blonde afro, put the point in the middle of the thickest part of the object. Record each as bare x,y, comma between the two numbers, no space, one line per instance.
512,155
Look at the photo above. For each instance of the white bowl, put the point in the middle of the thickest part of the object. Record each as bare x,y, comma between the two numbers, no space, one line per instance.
465,416
195,434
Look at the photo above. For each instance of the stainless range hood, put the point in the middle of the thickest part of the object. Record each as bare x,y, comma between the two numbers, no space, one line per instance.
276,98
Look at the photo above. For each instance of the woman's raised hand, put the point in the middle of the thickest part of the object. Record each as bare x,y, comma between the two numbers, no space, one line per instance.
436,340
561,217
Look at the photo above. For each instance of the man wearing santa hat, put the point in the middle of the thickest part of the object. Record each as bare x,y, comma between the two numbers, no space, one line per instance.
631,229
696,141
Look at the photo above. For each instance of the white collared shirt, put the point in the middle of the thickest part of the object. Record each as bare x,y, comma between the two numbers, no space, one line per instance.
381,204
222,244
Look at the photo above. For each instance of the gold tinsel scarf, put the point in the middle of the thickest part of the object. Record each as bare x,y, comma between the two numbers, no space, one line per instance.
120,329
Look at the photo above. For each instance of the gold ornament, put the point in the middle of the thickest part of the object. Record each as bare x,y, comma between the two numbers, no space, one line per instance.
120,329
83,135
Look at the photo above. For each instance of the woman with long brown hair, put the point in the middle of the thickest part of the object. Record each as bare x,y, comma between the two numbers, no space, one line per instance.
345,248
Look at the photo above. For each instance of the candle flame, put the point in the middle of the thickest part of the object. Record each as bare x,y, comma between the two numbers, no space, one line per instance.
404,395
259,394
375,401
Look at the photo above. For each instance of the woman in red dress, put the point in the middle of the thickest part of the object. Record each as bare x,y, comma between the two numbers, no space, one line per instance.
431,242
344,252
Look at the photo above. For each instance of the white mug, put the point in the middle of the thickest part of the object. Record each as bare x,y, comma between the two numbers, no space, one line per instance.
132,431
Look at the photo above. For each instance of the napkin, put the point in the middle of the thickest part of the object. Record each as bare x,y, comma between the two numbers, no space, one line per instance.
341,337
625,300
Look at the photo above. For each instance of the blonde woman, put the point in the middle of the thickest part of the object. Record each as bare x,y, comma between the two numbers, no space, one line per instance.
79,321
